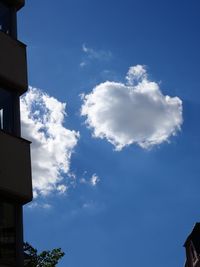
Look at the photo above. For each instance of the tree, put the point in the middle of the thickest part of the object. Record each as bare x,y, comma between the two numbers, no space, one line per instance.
46,258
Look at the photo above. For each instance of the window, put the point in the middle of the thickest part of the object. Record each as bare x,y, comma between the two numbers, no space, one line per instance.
9,112
1,119
7,234
8,20
5,18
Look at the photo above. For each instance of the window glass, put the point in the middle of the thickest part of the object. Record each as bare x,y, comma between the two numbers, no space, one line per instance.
5,18
7,234
9,112
1,119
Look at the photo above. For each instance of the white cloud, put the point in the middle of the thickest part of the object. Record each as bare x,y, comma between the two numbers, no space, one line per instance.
93,54
94,180
62,188
83,64
136,74
132,113
87,205
42,120
35,204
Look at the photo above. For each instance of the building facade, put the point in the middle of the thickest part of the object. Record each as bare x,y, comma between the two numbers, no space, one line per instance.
15,162
192,247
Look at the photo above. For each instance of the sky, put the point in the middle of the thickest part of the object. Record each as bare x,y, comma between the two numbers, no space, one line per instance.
113,115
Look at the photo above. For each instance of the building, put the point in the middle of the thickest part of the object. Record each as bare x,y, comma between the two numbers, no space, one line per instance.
192,247
15,162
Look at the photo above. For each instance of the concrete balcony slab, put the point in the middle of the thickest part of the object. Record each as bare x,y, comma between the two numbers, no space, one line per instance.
15,168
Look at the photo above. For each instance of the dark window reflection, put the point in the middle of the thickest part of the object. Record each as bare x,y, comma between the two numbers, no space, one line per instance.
7,234
5,18
9,115
6,110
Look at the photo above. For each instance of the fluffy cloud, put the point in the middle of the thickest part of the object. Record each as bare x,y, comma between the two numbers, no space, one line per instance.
42,120
135,112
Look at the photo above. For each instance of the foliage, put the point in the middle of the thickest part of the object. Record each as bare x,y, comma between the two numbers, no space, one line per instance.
44,259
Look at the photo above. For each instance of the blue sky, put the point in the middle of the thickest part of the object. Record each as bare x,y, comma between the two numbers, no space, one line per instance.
135,206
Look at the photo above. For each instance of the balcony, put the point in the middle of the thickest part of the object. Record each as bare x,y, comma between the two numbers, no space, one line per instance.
16,3
15,168
13,65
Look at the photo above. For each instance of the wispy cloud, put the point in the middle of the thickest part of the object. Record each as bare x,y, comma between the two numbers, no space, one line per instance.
43,120
135,112
37,205
91,54
92,181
